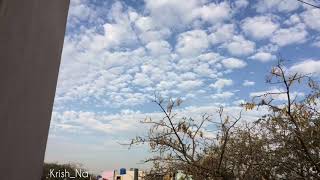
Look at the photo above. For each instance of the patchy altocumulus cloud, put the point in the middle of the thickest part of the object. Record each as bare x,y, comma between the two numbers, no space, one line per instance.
220,83
307,67
259,27
293,35
233,63
263,56
248,83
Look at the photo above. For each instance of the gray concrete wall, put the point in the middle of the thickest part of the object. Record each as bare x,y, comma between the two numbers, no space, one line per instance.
31,40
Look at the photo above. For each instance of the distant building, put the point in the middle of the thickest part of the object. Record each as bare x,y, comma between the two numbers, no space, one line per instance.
135,174
123,174
107,175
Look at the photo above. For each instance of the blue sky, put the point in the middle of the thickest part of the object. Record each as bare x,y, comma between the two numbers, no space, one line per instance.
209,53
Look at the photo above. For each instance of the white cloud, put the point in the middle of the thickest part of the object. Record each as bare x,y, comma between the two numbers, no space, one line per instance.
248,83
277,5
154,35
311,18
176,14
222,33
190,84
86,76
127,122
120,63
259,27
294,19
293,35
271,48
133,15
316,42
148,30
233,63
155,72
188,76
80,11
221,83
241,3
98,122
239,46
307,67
159,48
192,43
204,69
145,24
263,56
211,57
165,85
115,34
172,13
214,13
141,79
223,95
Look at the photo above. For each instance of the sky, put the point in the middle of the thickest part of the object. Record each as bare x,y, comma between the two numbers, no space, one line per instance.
118,54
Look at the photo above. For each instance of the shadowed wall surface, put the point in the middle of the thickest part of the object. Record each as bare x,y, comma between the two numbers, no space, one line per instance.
31,40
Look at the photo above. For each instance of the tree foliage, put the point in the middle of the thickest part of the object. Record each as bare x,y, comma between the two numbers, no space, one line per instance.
283,144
